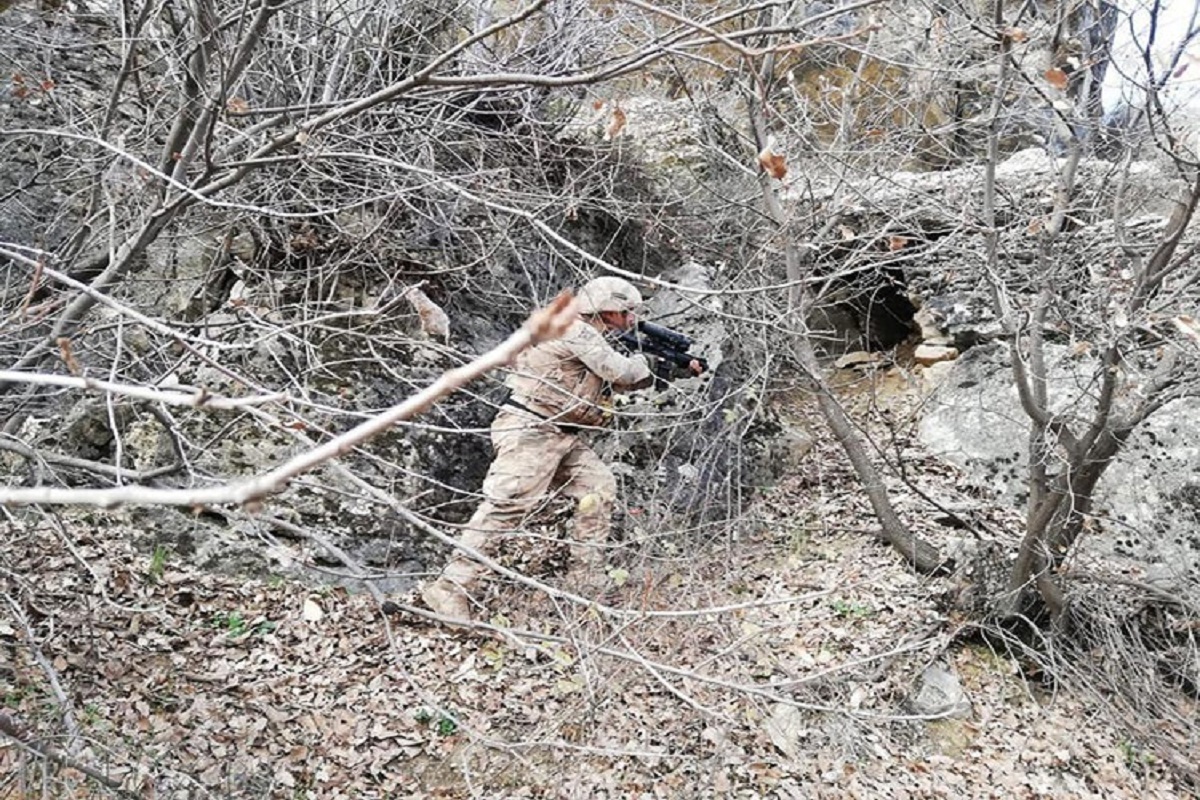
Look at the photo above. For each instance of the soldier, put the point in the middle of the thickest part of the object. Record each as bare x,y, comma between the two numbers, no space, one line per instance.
559,388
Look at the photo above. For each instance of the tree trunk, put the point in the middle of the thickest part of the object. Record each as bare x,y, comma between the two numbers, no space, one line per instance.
923,556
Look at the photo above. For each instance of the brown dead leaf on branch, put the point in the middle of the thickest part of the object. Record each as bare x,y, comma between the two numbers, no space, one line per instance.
616,123
771,161
68,356
1057,77
1014,35
434,322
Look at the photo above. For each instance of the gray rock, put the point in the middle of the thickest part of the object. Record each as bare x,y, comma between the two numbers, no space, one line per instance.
1149,496
859,359
927,354
939,694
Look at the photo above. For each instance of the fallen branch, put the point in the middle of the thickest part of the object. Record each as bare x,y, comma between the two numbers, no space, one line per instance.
10,730
91,466
73,734
658,668
197,399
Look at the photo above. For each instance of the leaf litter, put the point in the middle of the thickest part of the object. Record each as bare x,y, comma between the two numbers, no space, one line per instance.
197,684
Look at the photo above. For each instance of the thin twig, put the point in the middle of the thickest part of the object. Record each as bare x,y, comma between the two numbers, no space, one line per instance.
91,466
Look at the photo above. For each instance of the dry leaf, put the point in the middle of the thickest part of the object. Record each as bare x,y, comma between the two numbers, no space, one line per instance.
721,783
68,357
1188,326
433,320
312,611
1056,78
466,671
772,162
937,30
237,105
1016,35
615,124
785,727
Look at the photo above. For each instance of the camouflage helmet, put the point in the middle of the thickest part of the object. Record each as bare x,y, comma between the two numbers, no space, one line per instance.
608,293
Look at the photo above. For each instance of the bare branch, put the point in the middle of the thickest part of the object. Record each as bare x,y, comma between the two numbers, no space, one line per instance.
198,399
546,323
90,466
64,704
10,730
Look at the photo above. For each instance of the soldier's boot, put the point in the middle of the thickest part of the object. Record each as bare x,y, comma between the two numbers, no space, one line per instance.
450,594
447,598
587,575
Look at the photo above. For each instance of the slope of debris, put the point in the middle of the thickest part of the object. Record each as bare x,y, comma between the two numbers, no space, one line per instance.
781,658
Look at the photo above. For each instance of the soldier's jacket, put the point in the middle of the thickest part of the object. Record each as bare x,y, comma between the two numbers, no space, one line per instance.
569,380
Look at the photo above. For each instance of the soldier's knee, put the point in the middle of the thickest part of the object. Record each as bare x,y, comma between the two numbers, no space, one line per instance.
598,500
590,503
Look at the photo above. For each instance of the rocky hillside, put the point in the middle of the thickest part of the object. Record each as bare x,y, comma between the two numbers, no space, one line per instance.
797,657
943,294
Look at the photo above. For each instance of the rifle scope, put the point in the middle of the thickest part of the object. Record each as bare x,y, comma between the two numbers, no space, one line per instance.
676,339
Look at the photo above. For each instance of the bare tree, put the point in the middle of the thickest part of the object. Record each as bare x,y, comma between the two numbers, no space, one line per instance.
1135,321
1066,270
289,216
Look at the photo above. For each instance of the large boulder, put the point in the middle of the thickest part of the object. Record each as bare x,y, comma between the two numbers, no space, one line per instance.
1149,499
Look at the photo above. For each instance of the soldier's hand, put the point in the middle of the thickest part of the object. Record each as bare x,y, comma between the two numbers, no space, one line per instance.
695,367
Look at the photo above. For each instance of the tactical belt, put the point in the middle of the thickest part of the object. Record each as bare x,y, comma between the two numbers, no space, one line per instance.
562,426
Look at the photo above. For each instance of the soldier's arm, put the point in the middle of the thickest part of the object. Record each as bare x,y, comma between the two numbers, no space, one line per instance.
623,372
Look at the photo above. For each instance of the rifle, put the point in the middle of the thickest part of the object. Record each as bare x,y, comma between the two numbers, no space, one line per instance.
668,350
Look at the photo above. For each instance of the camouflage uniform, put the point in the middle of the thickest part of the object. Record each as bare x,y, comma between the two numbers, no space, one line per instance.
558,389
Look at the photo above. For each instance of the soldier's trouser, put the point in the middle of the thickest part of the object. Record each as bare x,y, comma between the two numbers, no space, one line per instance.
534,458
